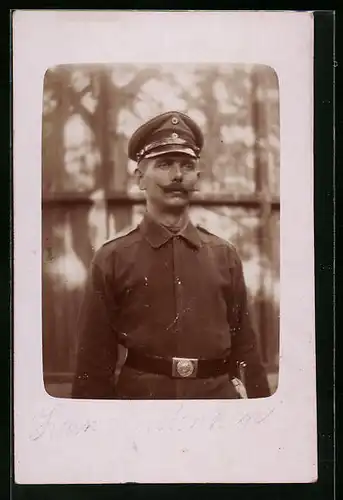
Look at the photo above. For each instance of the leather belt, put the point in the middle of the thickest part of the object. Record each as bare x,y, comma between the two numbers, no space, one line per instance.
177,367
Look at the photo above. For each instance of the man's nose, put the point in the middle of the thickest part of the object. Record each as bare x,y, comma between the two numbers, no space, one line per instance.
176,171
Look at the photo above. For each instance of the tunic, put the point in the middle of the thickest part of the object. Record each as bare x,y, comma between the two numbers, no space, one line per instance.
170,295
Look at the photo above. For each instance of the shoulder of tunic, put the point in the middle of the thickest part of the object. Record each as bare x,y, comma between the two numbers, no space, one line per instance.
121,235
212,237
104,254
216,240
123,238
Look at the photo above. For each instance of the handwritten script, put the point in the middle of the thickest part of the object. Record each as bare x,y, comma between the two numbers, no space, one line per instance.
51,423
48,424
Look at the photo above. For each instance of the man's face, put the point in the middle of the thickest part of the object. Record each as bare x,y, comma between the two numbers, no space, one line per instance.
169,179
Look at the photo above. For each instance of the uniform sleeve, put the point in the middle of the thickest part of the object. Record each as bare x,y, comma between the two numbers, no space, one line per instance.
245,348
97,342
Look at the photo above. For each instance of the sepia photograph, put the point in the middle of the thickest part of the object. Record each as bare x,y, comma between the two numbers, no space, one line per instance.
161,212
163,248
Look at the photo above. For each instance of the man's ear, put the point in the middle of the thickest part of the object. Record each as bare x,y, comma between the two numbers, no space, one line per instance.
140,178
197,185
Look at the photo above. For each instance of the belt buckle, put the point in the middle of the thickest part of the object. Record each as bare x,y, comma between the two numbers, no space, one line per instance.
185,367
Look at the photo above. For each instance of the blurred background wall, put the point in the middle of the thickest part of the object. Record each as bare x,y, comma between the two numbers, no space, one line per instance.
89,194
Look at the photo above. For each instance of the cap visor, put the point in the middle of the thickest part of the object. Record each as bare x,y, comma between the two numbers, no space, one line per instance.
171,149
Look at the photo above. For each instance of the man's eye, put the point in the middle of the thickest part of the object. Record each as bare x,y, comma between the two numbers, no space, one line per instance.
163,165
188,166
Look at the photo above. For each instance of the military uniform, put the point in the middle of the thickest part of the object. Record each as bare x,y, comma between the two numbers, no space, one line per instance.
176,301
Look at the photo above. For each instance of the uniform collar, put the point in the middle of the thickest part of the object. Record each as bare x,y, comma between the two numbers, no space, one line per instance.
157,235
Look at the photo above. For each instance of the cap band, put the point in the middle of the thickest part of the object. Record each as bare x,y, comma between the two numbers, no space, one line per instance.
170,149
174,140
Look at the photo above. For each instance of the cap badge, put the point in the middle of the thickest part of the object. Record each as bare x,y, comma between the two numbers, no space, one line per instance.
174,135
175,120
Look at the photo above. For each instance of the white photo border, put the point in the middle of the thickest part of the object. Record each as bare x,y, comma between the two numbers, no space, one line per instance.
272,440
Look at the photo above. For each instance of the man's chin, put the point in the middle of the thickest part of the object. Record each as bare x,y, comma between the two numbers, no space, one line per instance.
176,202
177,197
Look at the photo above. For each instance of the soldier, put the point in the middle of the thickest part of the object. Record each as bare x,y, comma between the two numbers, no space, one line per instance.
171,292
